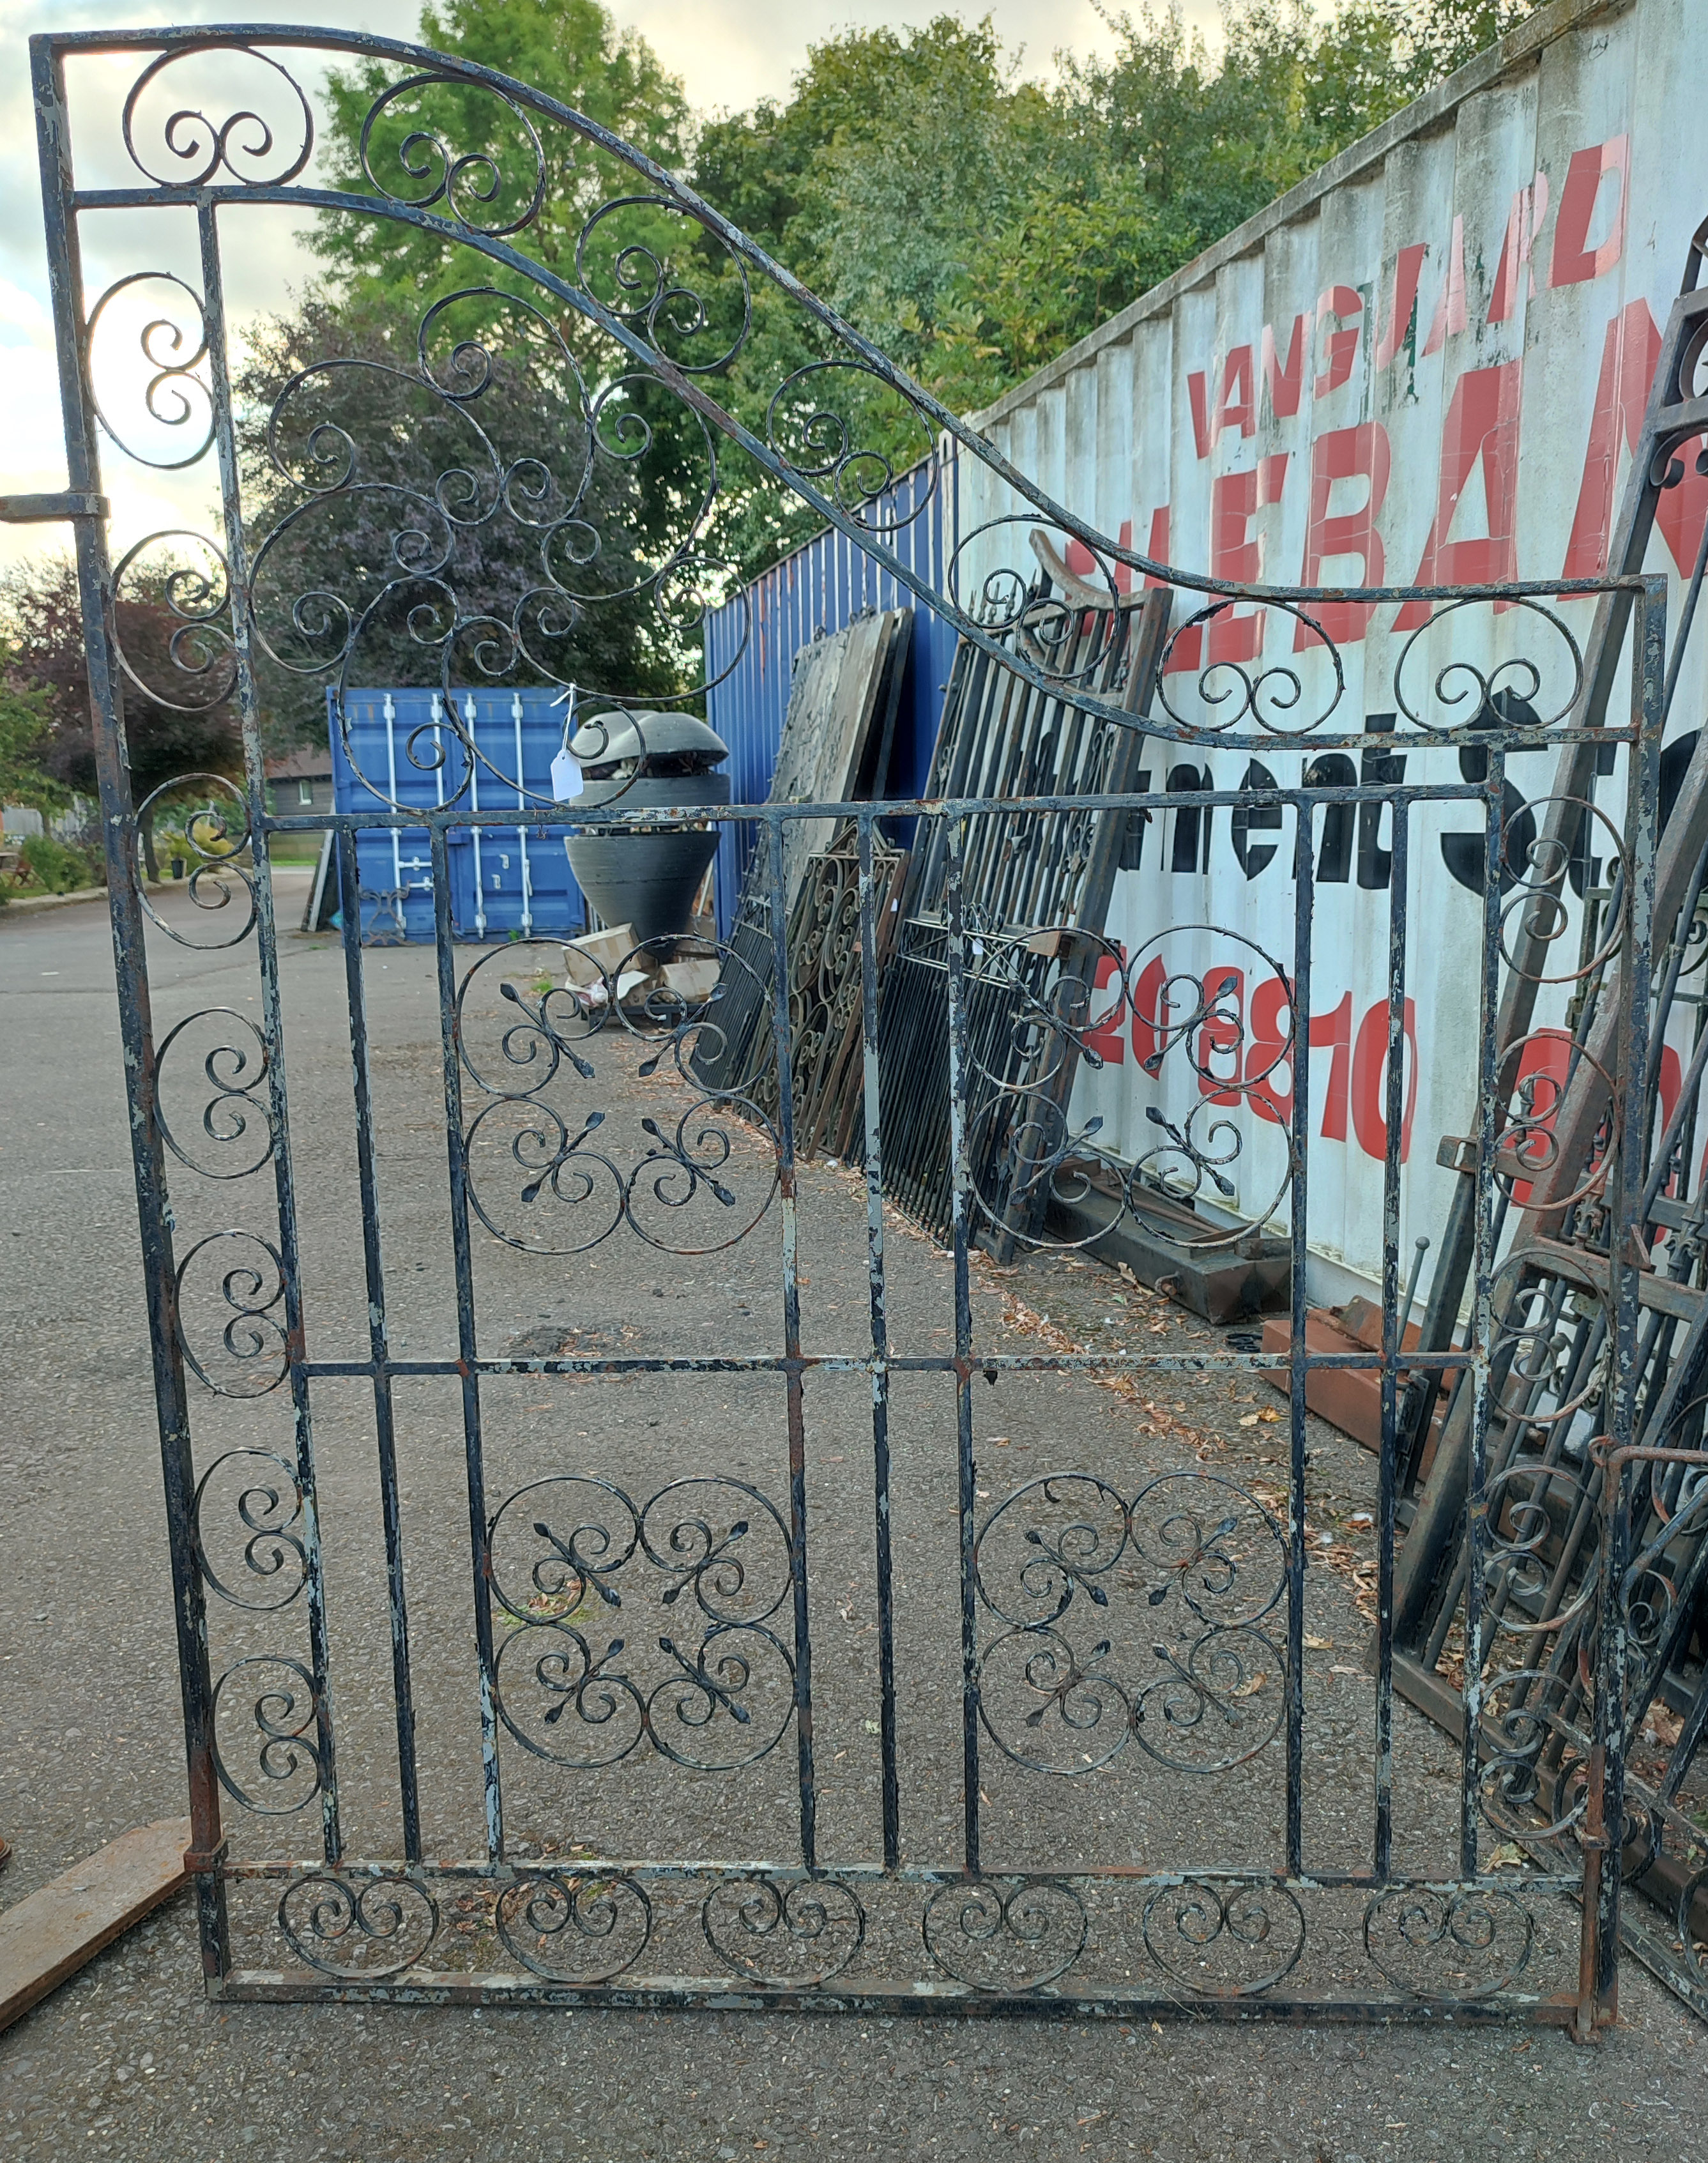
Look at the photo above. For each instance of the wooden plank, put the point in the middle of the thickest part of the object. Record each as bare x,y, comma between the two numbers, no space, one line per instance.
54,1931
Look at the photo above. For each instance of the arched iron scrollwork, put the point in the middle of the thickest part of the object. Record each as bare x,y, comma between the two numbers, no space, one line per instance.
267,1709
251,1354
1197,1681
192,150
637,273
176,393
1002,1936
721,1697
215,834
270,1507
1531,1780
542,1175
232,1114
1500,698
1216,1039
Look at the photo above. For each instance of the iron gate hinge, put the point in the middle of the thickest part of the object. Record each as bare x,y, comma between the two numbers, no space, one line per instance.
49,510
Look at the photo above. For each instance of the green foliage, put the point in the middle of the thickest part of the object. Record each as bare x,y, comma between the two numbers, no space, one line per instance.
570,50
462,498
24,724
968,220
57,867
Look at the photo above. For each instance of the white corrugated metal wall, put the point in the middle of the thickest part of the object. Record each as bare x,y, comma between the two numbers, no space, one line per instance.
1424,365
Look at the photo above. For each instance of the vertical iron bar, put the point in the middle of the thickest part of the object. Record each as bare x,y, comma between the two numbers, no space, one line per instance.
957,958
456,1148
1393,1340
135,1018
1486,1236
272,1017
1625,1259
379,1343
794,1377
880,1349
1304,906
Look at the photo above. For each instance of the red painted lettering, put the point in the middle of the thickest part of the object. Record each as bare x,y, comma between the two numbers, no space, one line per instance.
1629,357
1222,1035
1236,554
1369,1063
1482,424
1529,209
1197,396
1403,308
1185,652
1449,310
1332,1032
1338,305
1104,1037
1269,1084
1285,384
1237,406
1575,261
1150,1011
1344,454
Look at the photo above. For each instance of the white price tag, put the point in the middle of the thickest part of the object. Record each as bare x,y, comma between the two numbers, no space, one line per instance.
566,777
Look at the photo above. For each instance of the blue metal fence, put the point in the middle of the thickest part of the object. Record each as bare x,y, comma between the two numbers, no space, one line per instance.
503,880
821,587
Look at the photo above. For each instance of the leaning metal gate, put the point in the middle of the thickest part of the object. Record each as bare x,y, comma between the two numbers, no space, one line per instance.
786,1681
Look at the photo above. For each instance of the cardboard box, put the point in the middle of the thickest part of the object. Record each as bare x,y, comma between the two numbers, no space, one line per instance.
597,953
693,981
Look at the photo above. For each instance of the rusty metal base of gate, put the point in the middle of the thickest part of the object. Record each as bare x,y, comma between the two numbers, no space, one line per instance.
1121,1944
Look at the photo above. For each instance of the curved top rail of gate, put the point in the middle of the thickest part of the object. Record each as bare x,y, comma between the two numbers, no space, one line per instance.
1019,586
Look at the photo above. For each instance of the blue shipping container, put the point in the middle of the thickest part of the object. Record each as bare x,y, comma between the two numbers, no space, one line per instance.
751,643
504,880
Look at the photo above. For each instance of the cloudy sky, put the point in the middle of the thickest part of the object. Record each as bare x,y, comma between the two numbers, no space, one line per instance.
729,52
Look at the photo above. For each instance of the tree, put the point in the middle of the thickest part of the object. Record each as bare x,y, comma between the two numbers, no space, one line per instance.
190,727
429,501
24,723
461,150
971,222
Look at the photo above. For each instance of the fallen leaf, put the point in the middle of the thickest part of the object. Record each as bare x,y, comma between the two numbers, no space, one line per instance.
1250,1689
1320,1644
1270,1417
1508,1856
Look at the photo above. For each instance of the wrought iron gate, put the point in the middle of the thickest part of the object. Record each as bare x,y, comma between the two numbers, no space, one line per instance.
1062,1760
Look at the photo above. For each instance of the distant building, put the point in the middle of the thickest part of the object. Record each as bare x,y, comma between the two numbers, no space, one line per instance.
301,781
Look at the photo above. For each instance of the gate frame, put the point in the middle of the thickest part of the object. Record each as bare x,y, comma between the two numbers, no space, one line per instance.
1586,2011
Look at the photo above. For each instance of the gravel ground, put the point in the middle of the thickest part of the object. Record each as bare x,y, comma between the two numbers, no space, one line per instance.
128,2059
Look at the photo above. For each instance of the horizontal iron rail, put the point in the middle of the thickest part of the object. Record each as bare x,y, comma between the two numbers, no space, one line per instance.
896,1363
925,1999
924,807
695,1868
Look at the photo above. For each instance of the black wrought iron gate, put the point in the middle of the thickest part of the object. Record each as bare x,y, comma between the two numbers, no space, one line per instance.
1057,1751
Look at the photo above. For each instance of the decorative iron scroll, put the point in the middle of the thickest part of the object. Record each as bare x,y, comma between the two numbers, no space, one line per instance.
542,1175
647,280
1201,1565
722,1695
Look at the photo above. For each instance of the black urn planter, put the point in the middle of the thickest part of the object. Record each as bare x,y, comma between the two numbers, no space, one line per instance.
638,761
